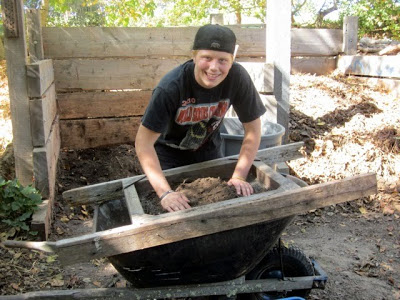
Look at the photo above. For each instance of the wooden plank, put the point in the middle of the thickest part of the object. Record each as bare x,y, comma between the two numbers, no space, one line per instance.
40,77
111,74
45,163
34,29
314,65
16,56
261,74
102,104
350,35
41,219
132,200
42,114
381,66
110,190
139,42
199,221
278,54
270,103
316,42
142,74
90,42
90,133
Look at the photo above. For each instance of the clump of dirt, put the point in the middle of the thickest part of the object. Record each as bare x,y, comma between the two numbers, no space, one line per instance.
201,191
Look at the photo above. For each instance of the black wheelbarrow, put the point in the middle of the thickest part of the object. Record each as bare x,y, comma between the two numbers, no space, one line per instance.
251,252
224,248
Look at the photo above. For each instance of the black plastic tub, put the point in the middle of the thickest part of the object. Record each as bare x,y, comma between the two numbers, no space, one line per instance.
224,255
216,257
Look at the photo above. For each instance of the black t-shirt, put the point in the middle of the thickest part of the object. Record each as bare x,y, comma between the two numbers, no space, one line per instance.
188,116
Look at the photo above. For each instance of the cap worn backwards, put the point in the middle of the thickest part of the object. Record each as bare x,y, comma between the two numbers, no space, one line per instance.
215,37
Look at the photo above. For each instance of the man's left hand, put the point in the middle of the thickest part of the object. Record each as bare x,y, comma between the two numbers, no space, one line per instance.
242,187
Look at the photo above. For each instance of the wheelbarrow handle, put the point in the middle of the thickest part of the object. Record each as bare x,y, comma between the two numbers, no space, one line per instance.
49,247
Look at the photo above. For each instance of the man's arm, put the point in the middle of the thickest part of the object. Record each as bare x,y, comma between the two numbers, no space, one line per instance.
248,151
144,146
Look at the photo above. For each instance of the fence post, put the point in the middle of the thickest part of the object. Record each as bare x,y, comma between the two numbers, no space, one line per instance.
35,40
278,53
350,35
16,56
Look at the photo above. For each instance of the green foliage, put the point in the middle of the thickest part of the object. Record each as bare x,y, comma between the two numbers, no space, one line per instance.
127,12
75,13
71,13
17,204
377,18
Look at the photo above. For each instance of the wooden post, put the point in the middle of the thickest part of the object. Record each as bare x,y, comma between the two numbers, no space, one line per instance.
217,19
16,56
278,53
35,40
350,35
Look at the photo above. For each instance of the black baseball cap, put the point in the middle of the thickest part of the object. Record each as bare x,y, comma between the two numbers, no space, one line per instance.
215,37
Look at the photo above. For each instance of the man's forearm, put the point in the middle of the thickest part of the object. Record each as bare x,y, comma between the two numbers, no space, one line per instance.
249,148
151,167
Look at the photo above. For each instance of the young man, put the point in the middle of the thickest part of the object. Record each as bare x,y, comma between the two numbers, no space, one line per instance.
181,124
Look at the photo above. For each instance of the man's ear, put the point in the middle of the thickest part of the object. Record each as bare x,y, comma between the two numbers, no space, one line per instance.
194,53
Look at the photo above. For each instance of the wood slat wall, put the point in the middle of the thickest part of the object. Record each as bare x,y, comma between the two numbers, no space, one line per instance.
44,125
111,73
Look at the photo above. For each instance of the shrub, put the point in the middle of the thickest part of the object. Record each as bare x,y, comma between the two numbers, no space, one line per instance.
376,18
17,204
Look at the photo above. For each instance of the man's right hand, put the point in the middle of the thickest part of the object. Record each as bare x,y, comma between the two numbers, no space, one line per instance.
175,201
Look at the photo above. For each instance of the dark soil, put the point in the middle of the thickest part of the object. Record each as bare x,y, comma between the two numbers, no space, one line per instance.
201,191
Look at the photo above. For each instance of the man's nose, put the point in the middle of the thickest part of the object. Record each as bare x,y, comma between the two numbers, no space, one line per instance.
214,64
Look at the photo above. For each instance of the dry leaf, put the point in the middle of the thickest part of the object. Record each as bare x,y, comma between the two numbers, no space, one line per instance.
50,259
97,283
363,210
57,282
64,219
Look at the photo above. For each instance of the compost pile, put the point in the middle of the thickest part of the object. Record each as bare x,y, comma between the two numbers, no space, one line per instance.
348,128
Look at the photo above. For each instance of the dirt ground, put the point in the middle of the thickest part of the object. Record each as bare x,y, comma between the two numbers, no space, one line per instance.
348,128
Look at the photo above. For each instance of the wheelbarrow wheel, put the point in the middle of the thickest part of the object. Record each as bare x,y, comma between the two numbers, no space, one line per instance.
295,263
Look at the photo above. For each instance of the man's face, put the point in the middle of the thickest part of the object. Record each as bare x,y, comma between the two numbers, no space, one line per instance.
211,67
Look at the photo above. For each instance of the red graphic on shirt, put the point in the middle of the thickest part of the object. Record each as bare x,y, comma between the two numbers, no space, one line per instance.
192,114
